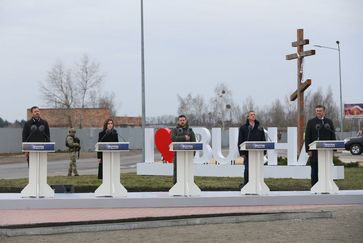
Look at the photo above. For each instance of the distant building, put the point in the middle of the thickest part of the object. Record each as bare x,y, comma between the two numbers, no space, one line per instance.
82,118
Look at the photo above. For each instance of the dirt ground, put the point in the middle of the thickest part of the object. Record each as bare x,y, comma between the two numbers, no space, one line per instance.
346,226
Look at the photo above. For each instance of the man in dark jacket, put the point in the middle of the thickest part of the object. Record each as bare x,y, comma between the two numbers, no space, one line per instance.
35,130
182,133
317,128
251,131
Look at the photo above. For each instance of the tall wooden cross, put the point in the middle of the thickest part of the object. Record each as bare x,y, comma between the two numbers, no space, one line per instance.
301,85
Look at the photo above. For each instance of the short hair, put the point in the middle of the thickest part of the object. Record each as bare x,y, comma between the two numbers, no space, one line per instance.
33,107
248,113
181,116
320,106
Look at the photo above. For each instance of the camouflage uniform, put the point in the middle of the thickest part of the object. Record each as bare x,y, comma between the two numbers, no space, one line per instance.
73,147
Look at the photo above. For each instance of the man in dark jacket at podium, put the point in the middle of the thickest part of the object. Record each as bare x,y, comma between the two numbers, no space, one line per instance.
251,131
36,129
182,133
317,128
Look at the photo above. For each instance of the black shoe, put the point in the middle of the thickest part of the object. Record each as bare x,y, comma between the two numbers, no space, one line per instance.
76,175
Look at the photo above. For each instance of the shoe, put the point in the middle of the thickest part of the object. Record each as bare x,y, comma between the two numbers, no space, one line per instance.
76,175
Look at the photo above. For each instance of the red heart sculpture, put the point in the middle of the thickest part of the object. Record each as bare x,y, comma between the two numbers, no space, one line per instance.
162,142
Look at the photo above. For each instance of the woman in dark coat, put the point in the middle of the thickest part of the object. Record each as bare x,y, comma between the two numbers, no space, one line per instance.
108,134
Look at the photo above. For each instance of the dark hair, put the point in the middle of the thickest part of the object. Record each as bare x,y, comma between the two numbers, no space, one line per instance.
181,116
105,123
320,106
33,107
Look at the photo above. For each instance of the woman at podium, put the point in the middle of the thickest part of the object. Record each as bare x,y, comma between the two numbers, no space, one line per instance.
108,134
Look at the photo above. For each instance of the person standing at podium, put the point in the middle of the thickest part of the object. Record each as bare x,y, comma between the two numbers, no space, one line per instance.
108,134
181,133
35,130
317,128
250,131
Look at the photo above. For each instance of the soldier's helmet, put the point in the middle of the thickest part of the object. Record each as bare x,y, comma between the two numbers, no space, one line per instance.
72,130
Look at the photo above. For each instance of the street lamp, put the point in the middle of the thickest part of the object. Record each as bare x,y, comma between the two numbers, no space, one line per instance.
143,115
340,82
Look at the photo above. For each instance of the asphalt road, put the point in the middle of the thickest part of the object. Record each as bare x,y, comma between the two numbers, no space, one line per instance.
13,168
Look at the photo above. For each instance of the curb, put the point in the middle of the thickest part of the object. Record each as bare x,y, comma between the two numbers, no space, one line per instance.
129,224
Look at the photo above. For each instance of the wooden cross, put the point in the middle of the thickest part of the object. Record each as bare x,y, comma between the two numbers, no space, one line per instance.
301,85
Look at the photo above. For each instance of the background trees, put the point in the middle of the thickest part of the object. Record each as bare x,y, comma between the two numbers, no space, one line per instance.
76,87
221,110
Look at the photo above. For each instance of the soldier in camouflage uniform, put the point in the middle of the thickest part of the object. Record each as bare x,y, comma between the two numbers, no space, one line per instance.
73,144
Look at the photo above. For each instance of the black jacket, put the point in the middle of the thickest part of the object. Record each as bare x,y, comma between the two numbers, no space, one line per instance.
107,136
36,130
178,134
247,133
319,129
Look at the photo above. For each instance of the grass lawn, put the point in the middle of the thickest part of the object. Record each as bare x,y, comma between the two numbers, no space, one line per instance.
136,183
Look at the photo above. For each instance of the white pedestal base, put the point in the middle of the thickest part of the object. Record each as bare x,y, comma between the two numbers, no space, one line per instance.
185,185
256,183
111,185
37,186
325,182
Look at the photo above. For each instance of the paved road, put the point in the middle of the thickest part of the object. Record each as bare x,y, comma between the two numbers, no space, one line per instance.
86,166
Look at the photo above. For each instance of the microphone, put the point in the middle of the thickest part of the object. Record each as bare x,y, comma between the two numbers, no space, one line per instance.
33,128
42,129
327,127
318,127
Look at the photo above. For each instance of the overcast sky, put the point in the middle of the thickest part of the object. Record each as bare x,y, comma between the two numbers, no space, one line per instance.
190,47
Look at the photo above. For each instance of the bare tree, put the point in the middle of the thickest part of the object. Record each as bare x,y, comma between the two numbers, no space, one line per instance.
107,100
194,108
78,87
87,78
59,88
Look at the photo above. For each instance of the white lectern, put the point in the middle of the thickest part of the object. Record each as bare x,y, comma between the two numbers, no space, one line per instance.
37,186
325,149
111,185
185,185
256,183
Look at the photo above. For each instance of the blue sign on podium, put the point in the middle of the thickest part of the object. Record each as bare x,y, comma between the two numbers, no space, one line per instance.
38,147
258,145
185,146
112,146
327,144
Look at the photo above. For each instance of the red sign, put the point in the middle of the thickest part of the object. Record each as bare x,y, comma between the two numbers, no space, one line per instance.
162,142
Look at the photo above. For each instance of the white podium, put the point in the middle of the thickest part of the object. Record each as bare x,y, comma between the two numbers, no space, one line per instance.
185,185
256,183
111,185
37,186
325,149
